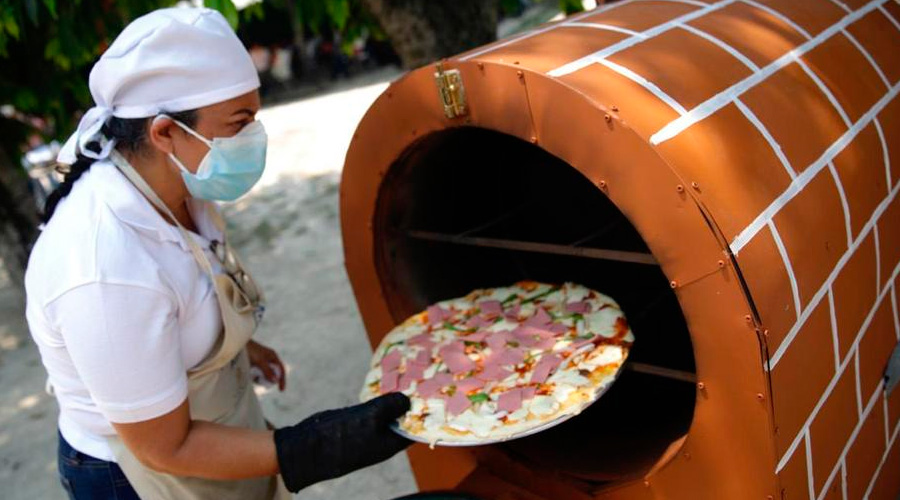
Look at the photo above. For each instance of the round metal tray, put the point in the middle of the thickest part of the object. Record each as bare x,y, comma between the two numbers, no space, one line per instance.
476,441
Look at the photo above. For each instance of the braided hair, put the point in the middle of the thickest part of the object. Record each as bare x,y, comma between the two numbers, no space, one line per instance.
130,135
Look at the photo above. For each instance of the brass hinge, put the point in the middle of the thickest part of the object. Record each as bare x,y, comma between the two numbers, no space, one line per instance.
452,92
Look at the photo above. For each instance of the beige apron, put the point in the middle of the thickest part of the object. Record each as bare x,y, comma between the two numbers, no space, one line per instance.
219,387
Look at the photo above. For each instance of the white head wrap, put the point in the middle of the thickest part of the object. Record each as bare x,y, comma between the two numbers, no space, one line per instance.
169,60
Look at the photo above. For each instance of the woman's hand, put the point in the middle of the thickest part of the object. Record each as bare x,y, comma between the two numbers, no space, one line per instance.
266,360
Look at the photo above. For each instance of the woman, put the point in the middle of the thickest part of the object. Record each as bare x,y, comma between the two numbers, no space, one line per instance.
141,311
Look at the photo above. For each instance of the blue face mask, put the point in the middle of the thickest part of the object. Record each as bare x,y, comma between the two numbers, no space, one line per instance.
230,168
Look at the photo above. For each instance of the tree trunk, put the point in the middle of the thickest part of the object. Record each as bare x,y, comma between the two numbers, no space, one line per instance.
18,219
424,31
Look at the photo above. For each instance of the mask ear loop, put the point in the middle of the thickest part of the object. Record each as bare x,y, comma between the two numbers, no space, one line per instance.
189,130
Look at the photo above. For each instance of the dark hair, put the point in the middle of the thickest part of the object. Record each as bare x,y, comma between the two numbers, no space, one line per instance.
130,135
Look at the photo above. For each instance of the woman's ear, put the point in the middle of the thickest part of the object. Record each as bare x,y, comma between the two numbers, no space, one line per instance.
160,133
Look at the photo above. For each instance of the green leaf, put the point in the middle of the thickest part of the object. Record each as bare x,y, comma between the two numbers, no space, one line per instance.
51,6
11,26
31,10
479,398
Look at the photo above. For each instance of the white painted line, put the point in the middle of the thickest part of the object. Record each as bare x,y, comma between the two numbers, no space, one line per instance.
834,380
826,486
854,434
809,468
887,156
887,425
825,90
888,15
865,53
841,5
690,2
844,204
807,175
834,331
844,480
545,29
877,258
718,101
831,277
859,407
785,19
881,465
789,452
605,27
722,45
601,54
776,148
647,84
787,266
896,319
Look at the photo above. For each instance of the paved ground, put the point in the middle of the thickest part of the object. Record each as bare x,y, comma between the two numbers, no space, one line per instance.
289,234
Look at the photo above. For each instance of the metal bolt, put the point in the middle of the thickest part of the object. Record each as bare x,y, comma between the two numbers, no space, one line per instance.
602,184
748,319
534,140
673,284
701,386
695,186
721,264
607,118
760,396
679,188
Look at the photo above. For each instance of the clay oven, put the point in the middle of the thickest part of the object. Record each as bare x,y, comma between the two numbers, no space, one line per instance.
728,171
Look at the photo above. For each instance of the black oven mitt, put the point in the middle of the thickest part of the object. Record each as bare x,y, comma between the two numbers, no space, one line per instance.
332,443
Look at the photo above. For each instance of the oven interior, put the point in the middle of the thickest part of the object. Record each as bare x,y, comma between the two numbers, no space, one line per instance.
467,208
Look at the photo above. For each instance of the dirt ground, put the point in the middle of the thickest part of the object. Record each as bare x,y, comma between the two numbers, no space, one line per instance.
288,232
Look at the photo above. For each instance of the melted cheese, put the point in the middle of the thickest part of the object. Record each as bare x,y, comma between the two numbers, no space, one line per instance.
603,322
604,355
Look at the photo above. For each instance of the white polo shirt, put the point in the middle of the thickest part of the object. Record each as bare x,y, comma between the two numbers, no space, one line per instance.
118,307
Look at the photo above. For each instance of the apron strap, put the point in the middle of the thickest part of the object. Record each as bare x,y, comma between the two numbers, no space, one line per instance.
151,195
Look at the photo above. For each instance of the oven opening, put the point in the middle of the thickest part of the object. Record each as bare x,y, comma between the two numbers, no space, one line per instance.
469,208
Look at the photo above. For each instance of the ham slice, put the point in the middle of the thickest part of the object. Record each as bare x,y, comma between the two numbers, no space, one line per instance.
491,308
511,356
423,339
389,382
478,322
558,328
429,388
405,381
512,313
437,315
497,341
545,367
540,318
423,358
457,362
415,370
467,385
458,403
478,336
510,401
493,373
391,362
582,307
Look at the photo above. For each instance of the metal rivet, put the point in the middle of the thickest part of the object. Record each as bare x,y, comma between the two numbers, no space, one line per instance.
770,497
701,386
673,284
607,117
481,66
647,483
534,140
516,63
748,318
679,188
721,264
760,396
520,74
695,186
602,184
615,108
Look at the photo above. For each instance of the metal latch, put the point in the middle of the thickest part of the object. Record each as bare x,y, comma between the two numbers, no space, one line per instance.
452,92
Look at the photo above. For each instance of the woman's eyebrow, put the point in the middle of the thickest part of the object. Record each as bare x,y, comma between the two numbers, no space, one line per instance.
248,111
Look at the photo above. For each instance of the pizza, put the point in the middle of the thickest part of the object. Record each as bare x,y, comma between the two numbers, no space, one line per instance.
501,361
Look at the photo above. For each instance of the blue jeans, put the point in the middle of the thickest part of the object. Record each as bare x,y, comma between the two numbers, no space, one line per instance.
87,478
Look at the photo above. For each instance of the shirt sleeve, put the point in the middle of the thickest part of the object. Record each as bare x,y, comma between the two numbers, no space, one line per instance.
124,342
